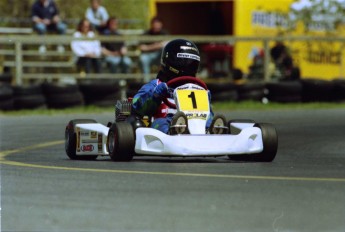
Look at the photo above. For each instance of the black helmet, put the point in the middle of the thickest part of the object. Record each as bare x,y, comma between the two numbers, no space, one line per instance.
180,57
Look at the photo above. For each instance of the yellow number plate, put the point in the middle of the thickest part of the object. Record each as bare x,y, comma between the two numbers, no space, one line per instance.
192,100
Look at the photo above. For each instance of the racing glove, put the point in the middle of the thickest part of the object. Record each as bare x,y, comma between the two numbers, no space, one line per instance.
162,91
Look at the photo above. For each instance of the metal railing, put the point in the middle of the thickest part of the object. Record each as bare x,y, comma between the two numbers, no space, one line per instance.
19,41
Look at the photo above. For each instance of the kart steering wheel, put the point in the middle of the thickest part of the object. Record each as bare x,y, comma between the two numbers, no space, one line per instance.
180,81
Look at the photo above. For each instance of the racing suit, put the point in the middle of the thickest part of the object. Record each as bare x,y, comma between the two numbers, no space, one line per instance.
148,100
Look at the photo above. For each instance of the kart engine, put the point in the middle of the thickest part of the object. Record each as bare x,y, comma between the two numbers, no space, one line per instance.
122,110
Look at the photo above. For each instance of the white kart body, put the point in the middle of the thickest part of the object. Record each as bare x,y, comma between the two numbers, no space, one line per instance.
92,137
92,140
153,142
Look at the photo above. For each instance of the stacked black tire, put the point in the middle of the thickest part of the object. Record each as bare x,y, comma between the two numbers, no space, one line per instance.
100,92
60,96
6,92
28,97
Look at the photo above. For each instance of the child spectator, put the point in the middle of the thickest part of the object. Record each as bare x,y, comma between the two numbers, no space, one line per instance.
115,52
88,52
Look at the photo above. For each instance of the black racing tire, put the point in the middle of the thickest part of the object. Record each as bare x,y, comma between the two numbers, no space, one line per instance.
100,92
224,96
5,77
121,141
251,91
216,87
28,97
36,101
71,137
285,91
59,101
26,90
6,91
315,90
7,104
270,144
339,90
55,88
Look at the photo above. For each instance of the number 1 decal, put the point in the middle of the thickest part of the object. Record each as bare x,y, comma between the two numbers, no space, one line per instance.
192,100
192,96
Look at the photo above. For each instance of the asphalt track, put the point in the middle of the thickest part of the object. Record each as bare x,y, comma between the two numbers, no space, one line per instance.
302,190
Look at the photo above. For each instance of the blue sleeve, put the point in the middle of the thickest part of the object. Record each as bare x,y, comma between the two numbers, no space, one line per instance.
210,118
144,103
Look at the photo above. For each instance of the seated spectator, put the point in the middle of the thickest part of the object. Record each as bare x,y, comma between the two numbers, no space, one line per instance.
97,15
115,52
283,62
88,52
45,16
151,52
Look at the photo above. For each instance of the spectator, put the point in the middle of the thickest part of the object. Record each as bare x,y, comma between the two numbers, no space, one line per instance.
97,15
87,51
115,52
283,62
151,52
45,16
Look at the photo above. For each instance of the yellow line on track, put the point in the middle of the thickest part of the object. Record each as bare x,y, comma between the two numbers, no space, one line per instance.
4,154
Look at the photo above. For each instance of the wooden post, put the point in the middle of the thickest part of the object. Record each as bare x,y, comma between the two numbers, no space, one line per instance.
266,61
19,63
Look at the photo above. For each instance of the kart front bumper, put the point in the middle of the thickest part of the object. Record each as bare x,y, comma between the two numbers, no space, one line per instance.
153,142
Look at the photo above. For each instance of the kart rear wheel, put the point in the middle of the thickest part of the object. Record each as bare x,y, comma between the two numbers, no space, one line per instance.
270,142
121,141
71,140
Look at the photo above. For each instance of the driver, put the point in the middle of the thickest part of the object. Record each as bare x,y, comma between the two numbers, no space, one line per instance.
179,57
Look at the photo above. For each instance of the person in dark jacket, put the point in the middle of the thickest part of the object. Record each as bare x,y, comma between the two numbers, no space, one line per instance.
45,17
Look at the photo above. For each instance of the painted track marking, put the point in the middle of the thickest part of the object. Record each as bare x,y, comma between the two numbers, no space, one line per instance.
4,154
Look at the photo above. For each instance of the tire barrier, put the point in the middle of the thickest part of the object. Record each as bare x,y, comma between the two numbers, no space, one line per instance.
315,90
100,93
6,97
62,95
5,77
251,91
286,91
104,93
339,90
223,91
28,97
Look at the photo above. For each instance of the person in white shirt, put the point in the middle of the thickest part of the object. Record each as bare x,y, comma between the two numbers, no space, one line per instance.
97,15
88,52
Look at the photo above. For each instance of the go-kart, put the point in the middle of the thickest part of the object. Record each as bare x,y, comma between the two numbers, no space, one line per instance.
131,135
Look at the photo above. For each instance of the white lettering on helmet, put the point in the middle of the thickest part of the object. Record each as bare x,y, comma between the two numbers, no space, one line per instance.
188,48
188,56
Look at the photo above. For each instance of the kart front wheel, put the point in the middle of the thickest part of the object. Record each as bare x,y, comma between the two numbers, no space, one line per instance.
71,140
218,125
121,141
179,124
